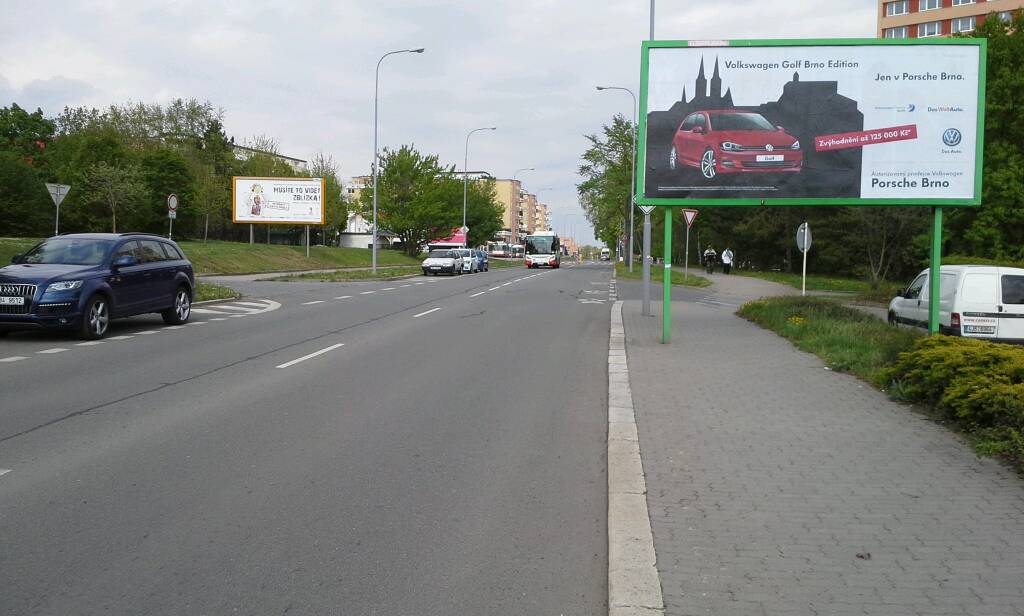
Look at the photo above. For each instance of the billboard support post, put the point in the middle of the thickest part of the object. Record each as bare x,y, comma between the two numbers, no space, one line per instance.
307,241
647,262
251,238
666,305
934,279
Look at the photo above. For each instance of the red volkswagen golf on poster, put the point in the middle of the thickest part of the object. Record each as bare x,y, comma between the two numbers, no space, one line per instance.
733,141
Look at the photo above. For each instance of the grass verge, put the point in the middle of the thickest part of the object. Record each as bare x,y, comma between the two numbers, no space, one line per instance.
861,290
975,387
238,258
622,271
385,274
847,339
206,292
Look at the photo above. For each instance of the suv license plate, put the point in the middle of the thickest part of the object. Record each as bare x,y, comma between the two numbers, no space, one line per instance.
770,158
12,301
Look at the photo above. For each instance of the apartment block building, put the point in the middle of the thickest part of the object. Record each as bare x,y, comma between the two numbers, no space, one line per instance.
900,19
509,194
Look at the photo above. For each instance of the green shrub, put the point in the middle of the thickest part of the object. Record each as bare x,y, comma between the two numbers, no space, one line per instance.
975,383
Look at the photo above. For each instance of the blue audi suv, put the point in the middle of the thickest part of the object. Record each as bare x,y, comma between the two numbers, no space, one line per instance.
82,281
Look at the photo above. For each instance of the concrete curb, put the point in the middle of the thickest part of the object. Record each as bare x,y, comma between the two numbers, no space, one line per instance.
633,584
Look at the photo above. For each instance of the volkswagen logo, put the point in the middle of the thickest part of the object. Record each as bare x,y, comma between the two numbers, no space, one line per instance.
769,147
951,137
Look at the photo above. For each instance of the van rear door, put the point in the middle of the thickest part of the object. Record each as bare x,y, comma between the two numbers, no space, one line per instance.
1011,321
978,305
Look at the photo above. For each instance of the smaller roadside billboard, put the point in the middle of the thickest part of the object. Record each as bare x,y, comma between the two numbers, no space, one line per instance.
298,201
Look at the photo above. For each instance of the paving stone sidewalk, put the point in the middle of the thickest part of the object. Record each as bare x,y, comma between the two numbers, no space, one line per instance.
777,487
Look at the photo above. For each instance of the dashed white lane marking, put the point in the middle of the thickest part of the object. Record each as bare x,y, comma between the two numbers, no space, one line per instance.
343,297
175,327
311,355
367,292
90,343
4,471
388,289
126,337
218,319
319,301
405,285
52,351
197,323
148,332
494,288
416,316
13,358
417,283
478,294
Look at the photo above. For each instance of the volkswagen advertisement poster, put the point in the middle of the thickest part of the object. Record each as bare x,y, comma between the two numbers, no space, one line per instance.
298,201
843,122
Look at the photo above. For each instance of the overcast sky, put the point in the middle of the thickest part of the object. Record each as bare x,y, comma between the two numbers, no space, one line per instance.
303,72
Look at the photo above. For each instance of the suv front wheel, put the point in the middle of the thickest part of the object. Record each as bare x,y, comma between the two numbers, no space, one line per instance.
179,313
96,318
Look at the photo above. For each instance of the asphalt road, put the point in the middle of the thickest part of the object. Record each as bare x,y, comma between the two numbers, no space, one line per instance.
421,446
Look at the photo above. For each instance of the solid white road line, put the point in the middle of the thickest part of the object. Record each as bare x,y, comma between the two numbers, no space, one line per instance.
206,311
312,355
477,294
197,323
253,304
13,358
52,351
506,284
229,307
494,288
416,316
148,332
343,297
406,285
234,316
417,283
319,301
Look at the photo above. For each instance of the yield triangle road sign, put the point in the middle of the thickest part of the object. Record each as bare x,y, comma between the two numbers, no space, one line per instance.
690,216
57,192
647,209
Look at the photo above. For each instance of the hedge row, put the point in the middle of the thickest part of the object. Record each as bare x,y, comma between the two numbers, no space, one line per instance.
977,384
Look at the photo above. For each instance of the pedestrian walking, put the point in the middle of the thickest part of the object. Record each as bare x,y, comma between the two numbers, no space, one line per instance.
727,259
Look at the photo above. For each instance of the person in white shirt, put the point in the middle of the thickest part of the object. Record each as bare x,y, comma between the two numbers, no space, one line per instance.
727,259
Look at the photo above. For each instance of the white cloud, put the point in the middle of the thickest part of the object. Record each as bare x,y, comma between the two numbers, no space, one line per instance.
303,71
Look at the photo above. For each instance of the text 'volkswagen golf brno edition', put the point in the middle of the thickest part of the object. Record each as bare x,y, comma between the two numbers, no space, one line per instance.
733,141
82,281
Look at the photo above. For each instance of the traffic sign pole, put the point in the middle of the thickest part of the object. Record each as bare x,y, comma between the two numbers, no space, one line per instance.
57,193
689,216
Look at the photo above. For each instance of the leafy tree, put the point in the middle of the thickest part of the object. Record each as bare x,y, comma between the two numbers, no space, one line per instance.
117,188
483,212
23,133
25,206
163,172
335,207
607,172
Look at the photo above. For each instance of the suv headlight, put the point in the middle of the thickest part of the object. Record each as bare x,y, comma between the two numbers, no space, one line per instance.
64,285
796,145
729,146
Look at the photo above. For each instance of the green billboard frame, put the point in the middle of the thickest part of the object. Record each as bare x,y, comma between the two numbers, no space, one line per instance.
935,203
641,168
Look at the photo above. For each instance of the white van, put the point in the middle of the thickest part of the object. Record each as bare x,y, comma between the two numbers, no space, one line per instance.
976,301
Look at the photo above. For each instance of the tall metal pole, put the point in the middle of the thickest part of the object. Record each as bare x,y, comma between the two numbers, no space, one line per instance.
652,20
647,264
666,302
686,258
376,91
465,181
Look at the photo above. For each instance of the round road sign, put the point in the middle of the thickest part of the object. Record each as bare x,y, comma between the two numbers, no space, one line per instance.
172,202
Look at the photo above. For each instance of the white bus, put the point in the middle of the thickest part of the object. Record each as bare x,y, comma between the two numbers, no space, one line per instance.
543,249
606,255
499,249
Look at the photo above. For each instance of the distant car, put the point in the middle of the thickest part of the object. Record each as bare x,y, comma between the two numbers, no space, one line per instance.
469,261
733,141
482,263
975,301
442,262
84,280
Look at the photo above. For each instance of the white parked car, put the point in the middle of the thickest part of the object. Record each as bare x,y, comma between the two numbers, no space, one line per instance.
976,301
470,265
442,261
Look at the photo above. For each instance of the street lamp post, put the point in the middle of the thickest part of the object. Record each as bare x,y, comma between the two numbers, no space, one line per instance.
376,90
519,202
465,182
632,181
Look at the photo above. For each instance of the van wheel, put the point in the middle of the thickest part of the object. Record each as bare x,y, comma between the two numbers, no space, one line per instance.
182,308
95,318
892,318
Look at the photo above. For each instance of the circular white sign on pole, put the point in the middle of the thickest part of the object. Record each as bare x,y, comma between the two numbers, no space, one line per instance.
172,202
464,229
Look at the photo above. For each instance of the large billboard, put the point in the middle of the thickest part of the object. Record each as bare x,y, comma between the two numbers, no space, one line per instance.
297,201
811,122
